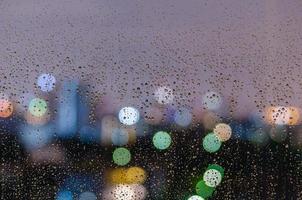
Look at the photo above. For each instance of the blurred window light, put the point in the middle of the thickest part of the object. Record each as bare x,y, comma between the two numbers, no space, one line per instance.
46,82
128,116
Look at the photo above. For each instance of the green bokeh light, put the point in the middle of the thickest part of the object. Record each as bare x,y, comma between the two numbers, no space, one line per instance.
162,140
37,107
203,190
211,143
218,168
121,156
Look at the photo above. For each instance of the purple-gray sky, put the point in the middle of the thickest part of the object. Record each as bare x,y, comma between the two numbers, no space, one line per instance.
248,50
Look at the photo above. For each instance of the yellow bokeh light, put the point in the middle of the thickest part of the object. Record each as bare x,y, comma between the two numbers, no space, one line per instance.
135,175
117,176
131,175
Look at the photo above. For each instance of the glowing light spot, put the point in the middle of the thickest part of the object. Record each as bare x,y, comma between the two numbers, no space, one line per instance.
122,192
223,131
211,101
6,108
161,140
87,196
128,115
135,175
64,195
203,190
183,117
121,156
119,137
37,107
125,192
195,197
140,191
212,177
116,176
218,168
211,143
164,95
282,115
46,82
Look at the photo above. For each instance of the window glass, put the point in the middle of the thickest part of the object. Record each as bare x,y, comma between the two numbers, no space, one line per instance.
155,100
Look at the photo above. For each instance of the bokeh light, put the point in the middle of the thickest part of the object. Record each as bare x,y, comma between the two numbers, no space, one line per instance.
218,168
281,115
140,191
211,143
183,117
46,82
37,107
119,137
135,175
121,156
131,175
119,192
116,176
212,177
162,140
128,115
223,131
64,195
195,197
6,108
125,192
164,95
203,190
212,100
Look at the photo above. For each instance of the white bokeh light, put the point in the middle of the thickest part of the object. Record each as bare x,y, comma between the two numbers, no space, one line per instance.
125,192
211,100
195,197
46,82
164,95
128,115
212,177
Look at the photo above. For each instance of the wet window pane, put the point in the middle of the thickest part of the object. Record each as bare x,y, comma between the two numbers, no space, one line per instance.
150,100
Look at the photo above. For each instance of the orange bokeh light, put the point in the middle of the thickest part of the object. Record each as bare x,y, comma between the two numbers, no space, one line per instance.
6,108
282,115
